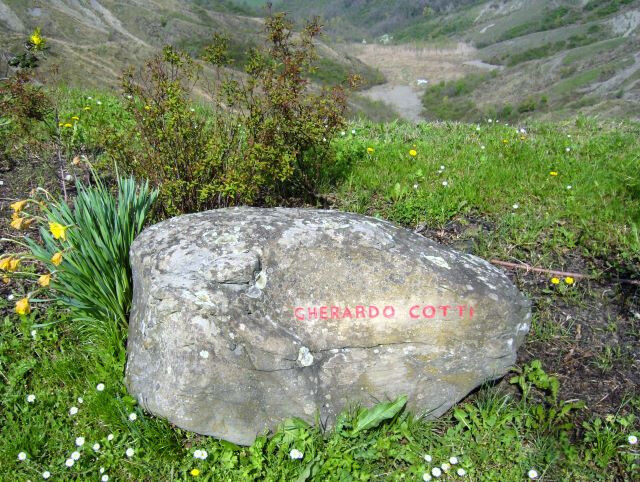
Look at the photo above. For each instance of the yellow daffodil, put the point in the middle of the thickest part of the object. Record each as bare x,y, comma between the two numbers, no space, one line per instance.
195,472
58,230
44,280
370,150
60,124
17,206
75,118
56,259
68,125
14,264
18,223
413,153
22,306
5,263
553,173
555,281
569,280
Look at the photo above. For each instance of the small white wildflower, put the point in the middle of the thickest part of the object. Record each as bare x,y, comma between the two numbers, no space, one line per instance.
99,103
96,447
461,472
80,400
516,206
522,131
489,121
133,417
569,186
69,462
428,458
102,470
129,452
46,474
482,147
192,109
100,387
10,297
353,131
569,136
197,454
68,177
110,437
453,460
343,133
568,149
31,398
533,474
445,467
477,128
442,168
436,472
22,456
33,334
295,454
105,478
426,477
204,354
632,439
129,96
415,186
445,183
203,455
75,455
73,411
79,441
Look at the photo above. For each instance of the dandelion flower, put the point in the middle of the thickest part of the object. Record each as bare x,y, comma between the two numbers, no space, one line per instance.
532,474
104,478
23,307
56,259
370,150
426,477
46,474
413,153
22,456
87,108
555,281
17,206
632,439
195,472
110,437
569,280
295,454
80,441
73,411
69,462
58,230
505,141
133,417
31,398
100,387
553,173
436,472
96,447
461,472
453,460
428,458
75,118
129,452
44,280
67,125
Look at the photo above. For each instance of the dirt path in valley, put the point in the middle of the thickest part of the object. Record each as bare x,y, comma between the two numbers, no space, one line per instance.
404,65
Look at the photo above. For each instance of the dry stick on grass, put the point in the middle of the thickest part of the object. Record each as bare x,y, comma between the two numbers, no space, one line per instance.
558,273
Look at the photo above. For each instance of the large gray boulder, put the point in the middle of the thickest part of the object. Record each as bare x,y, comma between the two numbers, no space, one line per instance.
244,317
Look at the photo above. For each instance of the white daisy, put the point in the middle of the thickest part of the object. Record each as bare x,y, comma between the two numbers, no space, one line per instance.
99,103
426,477
96,447
69,462
428,458
415,186
295,454
110,437
102,470
100,387
445,183
436,472
482,147
353,131
133,417
197,454
75,455
569,186
453,460
129,453
22,456
203,455
46,474
442,168
445,467
632,439
104,478
31,398
80,400
80,441
343,133
516,206
461,472
568,149
533,474
33,334
73,410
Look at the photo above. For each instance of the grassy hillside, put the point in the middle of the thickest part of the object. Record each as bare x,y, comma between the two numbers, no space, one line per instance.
92,42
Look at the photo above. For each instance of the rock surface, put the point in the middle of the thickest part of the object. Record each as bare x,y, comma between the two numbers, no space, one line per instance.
243,317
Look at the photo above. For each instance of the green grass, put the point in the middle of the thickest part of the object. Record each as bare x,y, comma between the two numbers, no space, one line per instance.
585,52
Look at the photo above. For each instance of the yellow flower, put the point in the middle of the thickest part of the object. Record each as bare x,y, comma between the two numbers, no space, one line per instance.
58,230
505,141
195,472
68,125
555,281
56,259
569,280
18,223
370,150
60,124
5,263
413,153
22,306
146,107
44,280
523,138
76,161
14,264
87,108
75,118
553,173
36,38
17,206
6,280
